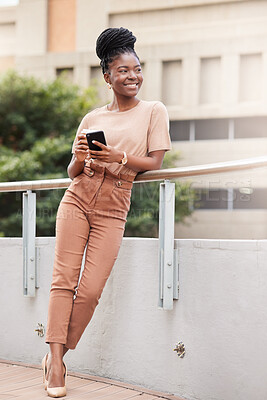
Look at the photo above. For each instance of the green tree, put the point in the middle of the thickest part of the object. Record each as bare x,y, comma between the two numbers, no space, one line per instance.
38,122
143,216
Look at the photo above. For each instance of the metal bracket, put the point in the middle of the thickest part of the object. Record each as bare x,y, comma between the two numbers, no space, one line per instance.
180,349
40,329
28,233
168,256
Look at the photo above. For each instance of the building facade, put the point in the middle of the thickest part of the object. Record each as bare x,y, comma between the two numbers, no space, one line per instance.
205,59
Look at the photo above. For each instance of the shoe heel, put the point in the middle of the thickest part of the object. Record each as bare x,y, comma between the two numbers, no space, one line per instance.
66,372
44,368
59,391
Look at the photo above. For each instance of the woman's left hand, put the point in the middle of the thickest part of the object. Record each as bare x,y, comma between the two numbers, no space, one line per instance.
107,154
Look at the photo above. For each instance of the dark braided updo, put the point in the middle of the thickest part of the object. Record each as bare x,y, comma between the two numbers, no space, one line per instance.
111,43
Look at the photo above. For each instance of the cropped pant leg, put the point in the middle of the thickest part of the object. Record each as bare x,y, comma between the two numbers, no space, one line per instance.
93,212
72,229
103,246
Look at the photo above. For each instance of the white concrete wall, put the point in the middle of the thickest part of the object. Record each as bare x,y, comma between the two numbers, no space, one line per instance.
220,317
224,224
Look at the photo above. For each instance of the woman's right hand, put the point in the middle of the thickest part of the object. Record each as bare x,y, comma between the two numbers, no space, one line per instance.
81,149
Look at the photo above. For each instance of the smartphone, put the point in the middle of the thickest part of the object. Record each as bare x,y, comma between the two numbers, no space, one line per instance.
94,135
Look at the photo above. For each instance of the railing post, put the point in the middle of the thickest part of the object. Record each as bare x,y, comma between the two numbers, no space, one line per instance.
28,233
168,272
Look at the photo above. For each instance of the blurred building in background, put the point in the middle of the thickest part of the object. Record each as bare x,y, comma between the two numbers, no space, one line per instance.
206,60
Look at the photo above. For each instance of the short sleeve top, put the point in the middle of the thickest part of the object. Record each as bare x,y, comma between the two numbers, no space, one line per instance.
138,131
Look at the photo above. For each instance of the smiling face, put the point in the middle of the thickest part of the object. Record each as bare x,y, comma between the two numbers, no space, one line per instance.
125,75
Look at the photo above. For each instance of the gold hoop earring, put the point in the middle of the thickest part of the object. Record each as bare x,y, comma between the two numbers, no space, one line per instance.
109,85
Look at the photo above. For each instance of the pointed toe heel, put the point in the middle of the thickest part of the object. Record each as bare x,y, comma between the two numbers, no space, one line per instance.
59,391
44,368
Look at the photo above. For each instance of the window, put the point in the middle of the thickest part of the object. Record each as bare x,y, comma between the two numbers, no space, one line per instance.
67,72
211,199
210,129
210,80
202,129
179,130
250,127
250,78
219,128
172,82
248,198
232,199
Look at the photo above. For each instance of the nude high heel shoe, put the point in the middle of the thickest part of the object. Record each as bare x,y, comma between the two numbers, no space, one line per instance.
44,367
58,391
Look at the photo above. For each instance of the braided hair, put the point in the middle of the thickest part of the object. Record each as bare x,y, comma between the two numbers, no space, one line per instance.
113,42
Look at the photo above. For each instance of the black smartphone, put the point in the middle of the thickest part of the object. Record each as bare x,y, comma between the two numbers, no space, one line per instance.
95,135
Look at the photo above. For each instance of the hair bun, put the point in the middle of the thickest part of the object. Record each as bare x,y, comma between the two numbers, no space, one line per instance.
113,38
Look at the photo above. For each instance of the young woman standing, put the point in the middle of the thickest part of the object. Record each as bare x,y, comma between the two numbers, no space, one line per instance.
94,208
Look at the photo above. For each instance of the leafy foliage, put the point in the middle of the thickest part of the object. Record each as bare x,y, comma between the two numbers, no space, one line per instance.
143,216
30,109
38,122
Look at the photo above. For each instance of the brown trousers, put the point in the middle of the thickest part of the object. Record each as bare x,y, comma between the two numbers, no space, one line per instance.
92,212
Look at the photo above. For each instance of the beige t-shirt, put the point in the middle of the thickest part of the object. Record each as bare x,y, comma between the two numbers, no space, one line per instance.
138,131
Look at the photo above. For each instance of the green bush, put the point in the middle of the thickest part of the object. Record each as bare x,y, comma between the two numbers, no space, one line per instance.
143,216
38,122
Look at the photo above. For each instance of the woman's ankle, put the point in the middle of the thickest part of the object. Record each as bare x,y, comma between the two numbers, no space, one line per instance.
56,350
65,350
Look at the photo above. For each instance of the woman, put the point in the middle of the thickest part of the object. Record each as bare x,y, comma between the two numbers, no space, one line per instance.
94,208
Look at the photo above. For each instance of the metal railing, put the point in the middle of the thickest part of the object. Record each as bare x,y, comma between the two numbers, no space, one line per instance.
158,175
168,259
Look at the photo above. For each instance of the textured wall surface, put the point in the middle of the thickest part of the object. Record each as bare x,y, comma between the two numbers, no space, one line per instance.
220,316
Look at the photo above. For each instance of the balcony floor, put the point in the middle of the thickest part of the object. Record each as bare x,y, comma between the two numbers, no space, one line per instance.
24,382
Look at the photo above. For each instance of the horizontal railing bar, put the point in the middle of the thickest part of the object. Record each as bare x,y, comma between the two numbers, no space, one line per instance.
205,169
157,175
45,184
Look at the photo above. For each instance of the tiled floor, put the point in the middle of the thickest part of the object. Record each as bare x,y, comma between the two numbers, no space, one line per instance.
24,382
